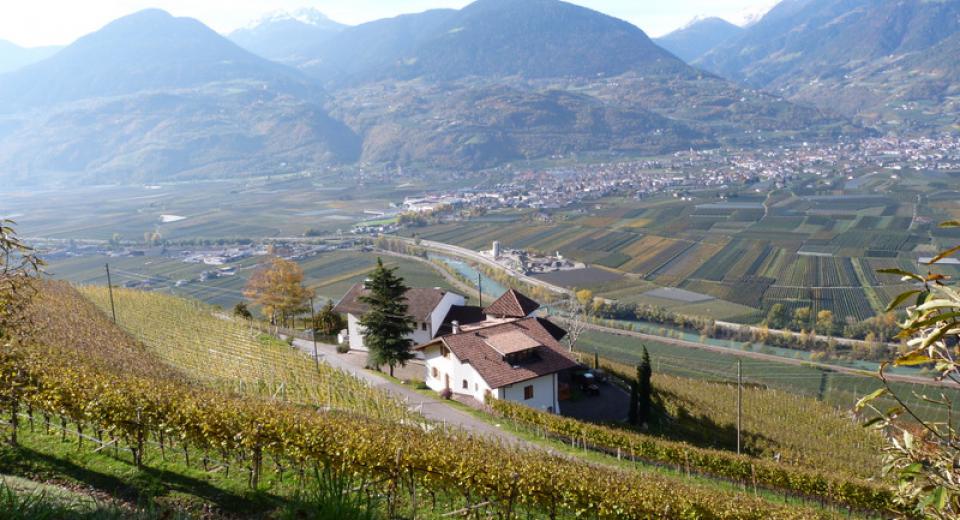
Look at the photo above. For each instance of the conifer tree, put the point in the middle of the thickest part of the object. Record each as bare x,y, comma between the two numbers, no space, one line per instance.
386,323
644,388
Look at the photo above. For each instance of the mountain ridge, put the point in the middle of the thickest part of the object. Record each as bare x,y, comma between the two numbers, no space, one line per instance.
699,37
149,49
491,38
13,56
822,51
286,37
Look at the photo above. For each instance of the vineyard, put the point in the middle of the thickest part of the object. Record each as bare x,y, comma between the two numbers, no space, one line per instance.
122,395
777,424
226,353
853,493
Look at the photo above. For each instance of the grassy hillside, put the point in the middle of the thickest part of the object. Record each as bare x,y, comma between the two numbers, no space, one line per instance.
776,424
167,435
219,351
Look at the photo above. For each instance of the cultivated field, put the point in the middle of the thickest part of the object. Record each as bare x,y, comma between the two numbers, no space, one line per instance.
816,247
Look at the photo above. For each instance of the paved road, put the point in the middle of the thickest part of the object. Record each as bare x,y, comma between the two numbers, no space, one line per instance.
764,357
459,251
477,257
430,407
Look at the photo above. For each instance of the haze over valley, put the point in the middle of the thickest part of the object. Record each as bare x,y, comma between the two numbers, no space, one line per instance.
509,258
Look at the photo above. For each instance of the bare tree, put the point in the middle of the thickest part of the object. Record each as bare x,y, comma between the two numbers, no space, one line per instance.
575,316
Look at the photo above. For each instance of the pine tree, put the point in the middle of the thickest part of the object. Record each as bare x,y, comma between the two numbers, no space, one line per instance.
386,323
644,388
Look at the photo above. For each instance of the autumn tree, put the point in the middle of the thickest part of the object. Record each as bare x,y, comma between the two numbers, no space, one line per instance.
585,297
777,317
923,457
825,322
801,318
19,269
386,323
277,287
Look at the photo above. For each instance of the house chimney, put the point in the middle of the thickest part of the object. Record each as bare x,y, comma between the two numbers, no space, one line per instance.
456,326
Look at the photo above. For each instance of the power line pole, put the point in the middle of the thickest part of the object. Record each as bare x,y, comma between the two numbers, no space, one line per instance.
313,332
739,401
113,309
479,288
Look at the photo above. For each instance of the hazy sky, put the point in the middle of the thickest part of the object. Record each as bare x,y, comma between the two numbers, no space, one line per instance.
47,22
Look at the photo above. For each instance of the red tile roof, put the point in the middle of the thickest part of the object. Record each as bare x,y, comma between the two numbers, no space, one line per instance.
420,302
512,305
474,347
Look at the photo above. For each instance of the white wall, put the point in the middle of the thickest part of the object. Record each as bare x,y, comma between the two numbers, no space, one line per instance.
356,333
419,336
545,391
545,396
457,372
443,308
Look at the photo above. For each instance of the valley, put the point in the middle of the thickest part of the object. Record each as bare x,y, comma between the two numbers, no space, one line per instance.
511,259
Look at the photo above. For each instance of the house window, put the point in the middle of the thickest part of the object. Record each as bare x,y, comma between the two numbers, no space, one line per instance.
423,326
528,392
466,385
434,373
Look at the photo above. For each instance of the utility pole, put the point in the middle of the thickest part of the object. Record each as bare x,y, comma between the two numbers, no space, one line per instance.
313,332
739,401
479,288
113,309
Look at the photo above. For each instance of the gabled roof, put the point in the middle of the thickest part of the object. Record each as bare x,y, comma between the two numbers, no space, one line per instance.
474,347
512,304
462,314
421,302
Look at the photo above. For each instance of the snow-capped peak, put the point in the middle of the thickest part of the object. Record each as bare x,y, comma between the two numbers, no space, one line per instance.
305,15
752,15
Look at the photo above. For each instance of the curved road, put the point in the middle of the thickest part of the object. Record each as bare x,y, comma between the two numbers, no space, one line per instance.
472,255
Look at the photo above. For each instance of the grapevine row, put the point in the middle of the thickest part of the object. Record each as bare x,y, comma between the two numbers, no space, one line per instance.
738,468
135,408
105,383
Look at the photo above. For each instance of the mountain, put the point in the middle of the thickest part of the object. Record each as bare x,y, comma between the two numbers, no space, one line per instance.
753,14
493,39
855,55
12,56
698,38
147,50
287,36
151,97
479,126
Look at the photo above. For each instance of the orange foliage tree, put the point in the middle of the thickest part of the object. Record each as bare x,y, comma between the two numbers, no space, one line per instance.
277,287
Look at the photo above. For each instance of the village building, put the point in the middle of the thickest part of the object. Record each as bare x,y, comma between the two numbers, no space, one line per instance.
501,352
428,307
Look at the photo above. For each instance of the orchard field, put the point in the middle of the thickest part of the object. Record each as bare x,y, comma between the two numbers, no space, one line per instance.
813,243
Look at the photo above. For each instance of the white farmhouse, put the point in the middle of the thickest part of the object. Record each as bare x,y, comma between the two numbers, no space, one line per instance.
507,354
427,307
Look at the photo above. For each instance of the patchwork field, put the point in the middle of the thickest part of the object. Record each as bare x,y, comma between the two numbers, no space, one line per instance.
800,247
329,274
